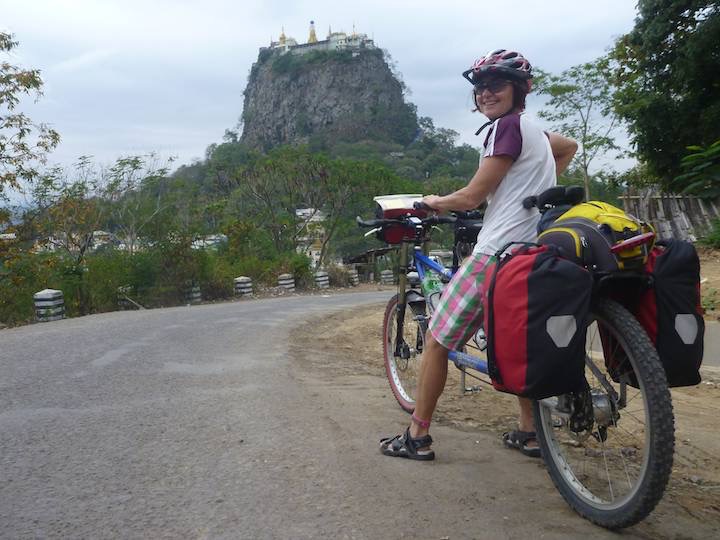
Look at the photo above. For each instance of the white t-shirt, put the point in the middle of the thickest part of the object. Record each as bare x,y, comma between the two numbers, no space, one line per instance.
532,172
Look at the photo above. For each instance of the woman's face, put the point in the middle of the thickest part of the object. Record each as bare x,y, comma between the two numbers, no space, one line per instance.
494,97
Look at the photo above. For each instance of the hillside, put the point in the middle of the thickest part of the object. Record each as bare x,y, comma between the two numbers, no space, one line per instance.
324,95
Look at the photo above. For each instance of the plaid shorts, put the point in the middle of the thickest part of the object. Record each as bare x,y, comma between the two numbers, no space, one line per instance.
459,312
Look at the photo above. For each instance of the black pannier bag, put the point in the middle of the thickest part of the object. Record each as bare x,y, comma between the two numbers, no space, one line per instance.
536,312
671,311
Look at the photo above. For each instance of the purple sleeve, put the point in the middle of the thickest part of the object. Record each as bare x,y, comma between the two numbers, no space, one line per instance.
506,139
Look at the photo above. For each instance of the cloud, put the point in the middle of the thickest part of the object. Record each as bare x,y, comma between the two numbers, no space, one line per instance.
169,74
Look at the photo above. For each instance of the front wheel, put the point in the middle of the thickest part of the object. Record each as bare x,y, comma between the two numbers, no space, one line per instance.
403,334
609,448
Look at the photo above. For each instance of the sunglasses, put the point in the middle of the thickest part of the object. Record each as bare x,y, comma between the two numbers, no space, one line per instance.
493,86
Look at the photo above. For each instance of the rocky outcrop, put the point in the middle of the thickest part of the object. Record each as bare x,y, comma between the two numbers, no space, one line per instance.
324,96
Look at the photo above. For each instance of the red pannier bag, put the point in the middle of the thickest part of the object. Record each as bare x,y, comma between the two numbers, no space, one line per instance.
537,308
671,313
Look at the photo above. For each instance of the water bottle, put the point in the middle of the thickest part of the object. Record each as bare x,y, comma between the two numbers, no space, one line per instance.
431,288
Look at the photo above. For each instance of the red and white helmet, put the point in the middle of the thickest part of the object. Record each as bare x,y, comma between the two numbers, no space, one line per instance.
501,62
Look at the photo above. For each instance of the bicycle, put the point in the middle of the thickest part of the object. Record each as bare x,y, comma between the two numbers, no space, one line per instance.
608,449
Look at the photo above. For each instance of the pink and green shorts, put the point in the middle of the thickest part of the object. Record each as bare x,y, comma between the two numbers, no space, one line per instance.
459,312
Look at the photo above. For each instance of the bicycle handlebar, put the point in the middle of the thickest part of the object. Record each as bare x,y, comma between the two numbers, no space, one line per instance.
404,220
459,214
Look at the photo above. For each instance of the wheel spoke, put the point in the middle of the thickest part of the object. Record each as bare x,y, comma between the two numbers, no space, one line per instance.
603,473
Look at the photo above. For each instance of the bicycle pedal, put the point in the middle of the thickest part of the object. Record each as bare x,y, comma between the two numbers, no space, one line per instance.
472,389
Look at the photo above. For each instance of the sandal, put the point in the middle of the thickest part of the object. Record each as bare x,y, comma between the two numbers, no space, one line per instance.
518,439
407,447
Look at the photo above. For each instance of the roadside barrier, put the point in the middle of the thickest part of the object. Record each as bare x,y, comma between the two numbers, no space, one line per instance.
386,277
243,286
287,282
322,280
122,297
193,295
353,277
49,305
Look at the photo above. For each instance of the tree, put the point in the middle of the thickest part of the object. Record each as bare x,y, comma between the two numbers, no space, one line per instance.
136,195
348,190
23,144
702,171
580,107
667,74
286,180
70,210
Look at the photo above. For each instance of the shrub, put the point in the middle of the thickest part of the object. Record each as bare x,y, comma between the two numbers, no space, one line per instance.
338,275
712,239
299,266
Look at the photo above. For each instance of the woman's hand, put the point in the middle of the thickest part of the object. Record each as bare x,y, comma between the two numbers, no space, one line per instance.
563,150
433,201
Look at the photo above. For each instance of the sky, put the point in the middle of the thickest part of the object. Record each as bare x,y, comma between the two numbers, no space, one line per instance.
126,77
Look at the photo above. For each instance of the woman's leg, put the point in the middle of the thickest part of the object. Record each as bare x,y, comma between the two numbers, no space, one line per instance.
526,422
431,383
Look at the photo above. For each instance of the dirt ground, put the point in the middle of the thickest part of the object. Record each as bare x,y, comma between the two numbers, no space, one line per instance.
694,490
710,282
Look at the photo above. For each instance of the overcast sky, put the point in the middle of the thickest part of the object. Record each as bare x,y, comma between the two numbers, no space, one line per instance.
133,76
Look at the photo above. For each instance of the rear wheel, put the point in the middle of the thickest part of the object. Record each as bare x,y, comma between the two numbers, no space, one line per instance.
402,357
609,449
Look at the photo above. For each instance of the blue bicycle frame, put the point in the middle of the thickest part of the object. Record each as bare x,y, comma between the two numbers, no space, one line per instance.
422,264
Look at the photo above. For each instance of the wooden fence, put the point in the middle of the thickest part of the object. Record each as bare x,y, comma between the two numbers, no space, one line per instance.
673,216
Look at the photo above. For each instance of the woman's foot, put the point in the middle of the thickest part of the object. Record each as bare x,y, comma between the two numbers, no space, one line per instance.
408,447
525,441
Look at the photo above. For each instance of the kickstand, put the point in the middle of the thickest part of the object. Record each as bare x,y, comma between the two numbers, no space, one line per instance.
466,389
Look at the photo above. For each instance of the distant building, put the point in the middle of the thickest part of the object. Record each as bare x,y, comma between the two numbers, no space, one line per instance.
335,41
212,241
311,234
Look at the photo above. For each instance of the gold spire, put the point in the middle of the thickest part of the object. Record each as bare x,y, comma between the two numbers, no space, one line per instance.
282,37
313,38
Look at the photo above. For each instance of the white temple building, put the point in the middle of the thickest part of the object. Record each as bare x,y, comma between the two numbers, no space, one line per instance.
335,41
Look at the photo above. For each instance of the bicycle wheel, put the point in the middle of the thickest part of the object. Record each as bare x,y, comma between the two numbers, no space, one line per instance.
609,449
402,360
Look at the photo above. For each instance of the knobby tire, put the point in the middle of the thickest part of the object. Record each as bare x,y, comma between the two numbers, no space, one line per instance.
563,457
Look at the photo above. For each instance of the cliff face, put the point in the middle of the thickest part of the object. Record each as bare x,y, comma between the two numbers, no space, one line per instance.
324,96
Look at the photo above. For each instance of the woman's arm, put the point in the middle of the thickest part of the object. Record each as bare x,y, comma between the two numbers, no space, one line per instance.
563,150
485,181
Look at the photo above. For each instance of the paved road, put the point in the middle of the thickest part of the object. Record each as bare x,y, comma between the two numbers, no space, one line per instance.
196,422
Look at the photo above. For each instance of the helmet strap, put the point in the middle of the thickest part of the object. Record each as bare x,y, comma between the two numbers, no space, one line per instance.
490,122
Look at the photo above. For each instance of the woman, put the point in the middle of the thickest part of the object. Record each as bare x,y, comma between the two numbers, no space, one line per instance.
519,160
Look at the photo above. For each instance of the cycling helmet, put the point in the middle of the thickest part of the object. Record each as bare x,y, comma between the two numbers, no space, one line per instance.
500,62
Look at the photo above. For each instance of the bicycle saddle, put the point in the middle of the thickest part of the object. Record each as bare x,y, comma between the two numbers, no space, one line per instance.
560,196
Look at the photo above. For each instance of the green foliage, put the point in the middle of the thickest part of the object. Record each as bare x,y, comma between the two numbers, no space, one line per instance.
702,172
299,266
23,143
667,74
638,176
710,299
712,239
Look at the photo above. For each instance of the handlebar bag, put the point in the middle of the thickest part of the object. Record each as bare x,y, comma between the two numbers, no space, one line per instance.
536,313
394,207
671,312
